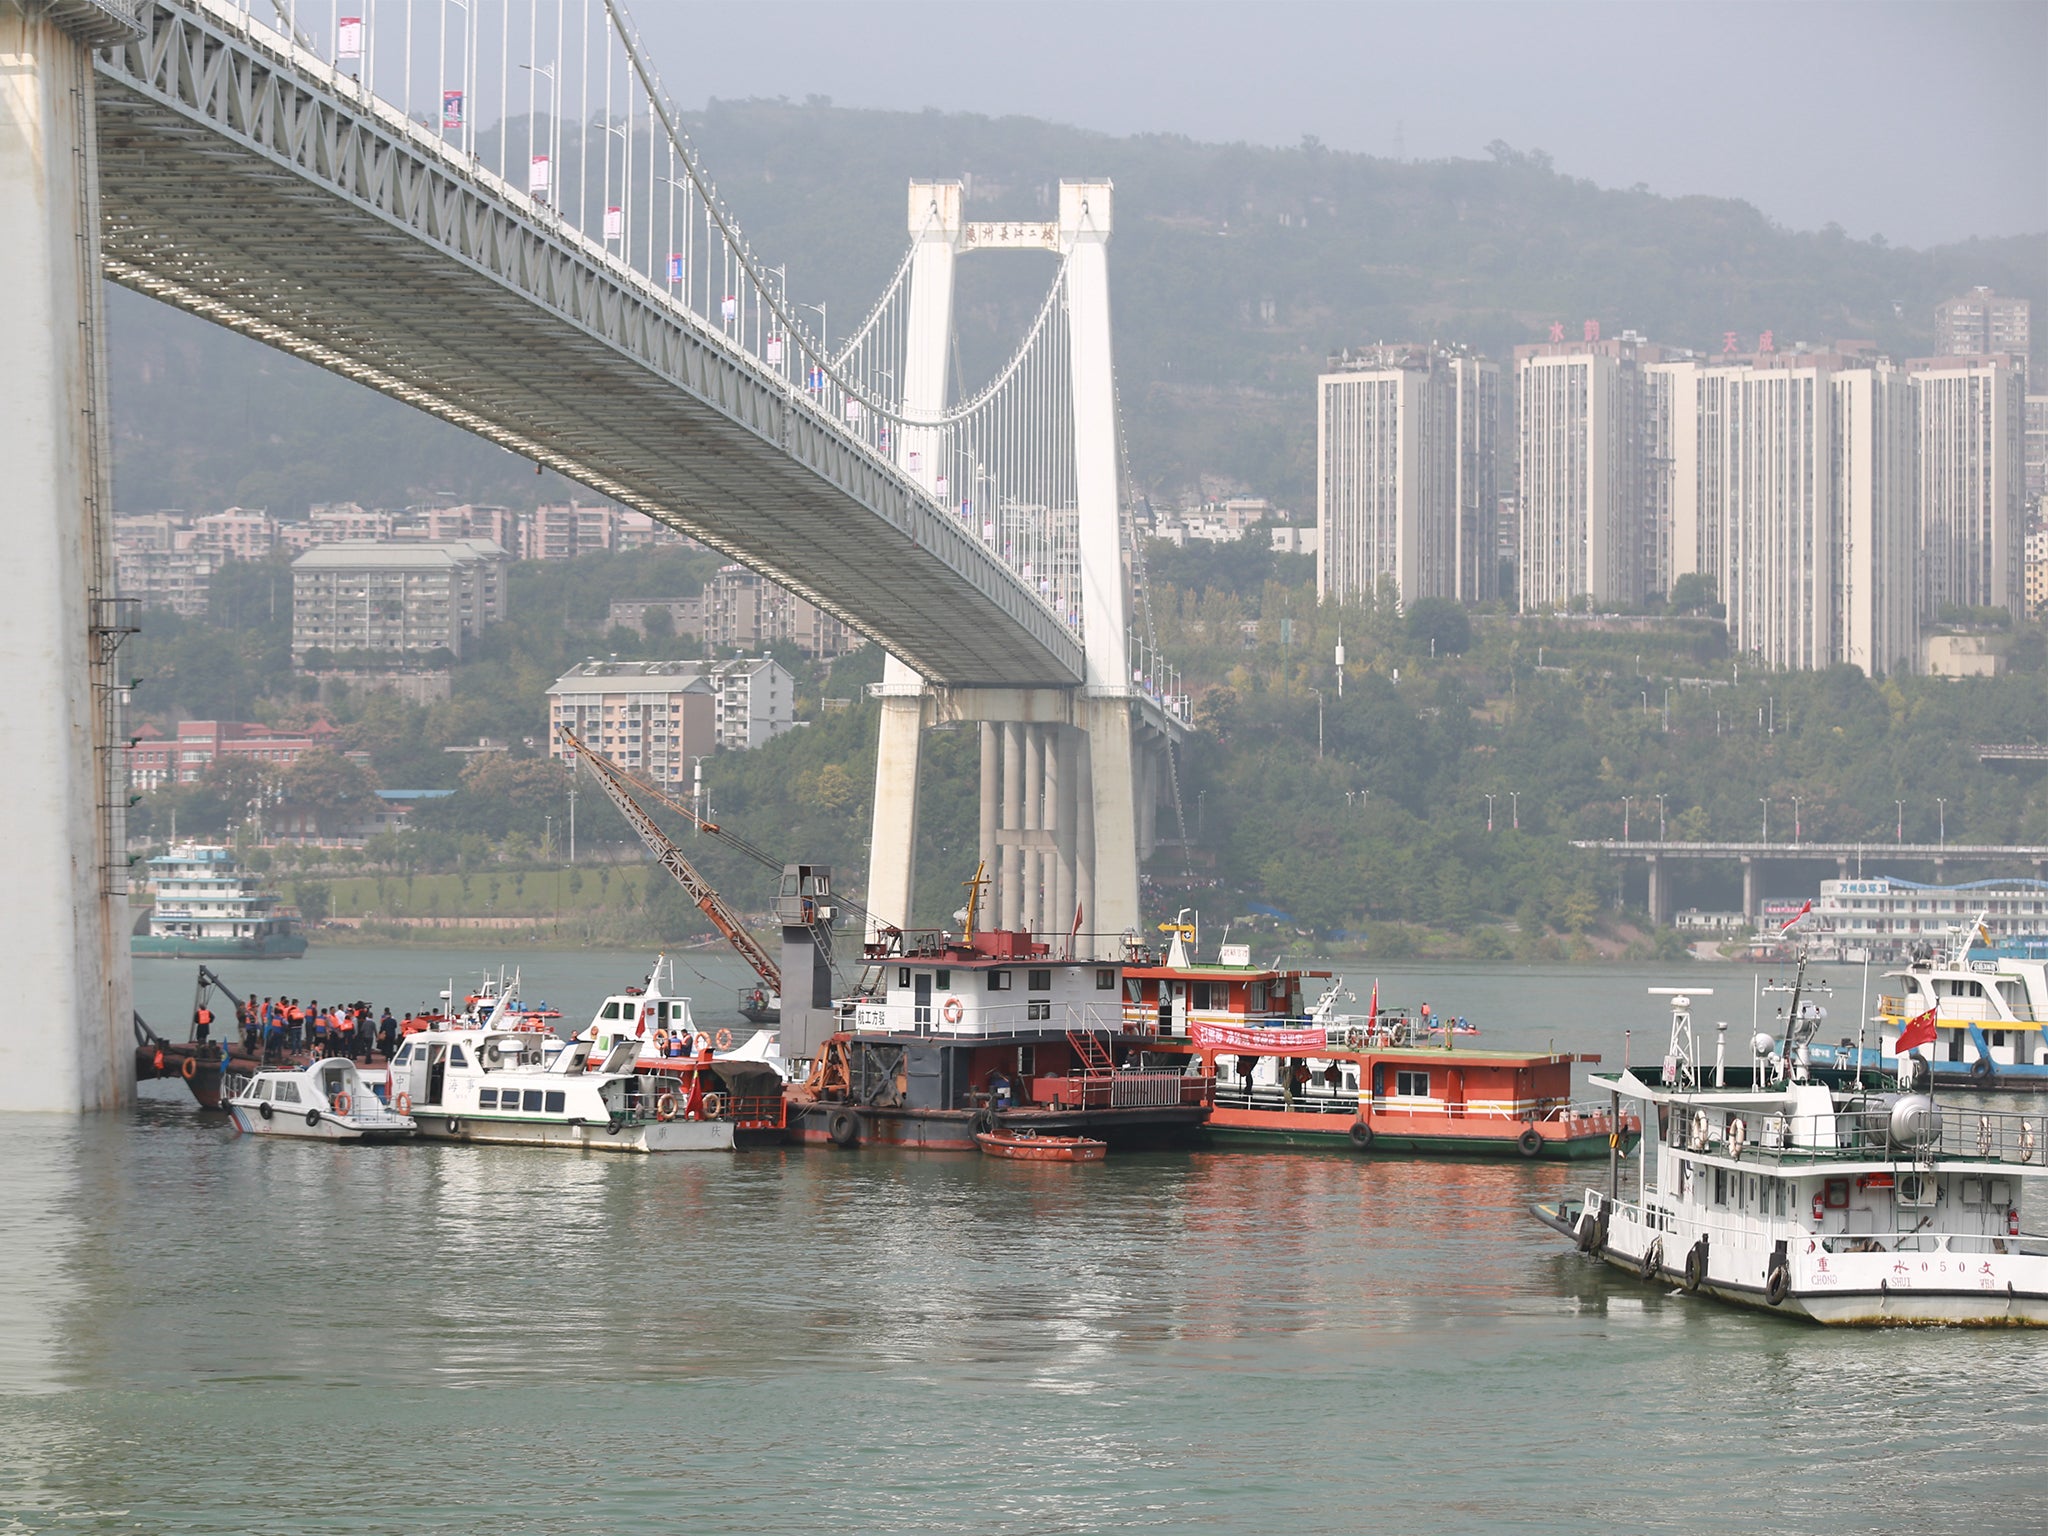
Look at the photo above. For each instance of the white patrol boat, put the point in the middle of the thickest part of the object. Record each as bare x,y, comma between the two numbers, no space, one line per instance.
529,1087
327,1101
1766,1188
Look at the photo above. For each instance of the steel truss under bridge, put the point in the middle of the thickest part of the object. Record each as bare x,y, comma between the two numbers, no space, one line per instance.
245,179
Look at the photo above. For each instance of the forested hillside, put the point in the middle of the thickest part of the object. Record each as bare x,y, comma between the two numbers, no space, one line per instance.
1235,271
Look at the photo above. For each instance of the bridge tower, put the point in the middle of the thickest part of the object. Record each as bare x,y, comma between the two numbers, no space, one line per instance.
1062,769
64,914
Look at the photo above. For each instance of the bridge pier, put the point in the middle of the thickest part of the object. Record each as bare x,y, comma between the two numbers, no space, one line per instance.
1659,895
1750,906
65,1042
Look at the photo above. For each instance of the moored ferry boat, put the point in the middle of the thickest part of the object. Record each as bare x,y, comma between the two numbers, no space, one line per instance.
530,1088
960,1036
1988,1015
1294,1076
208,907
1772,1190
707,1074
327,1100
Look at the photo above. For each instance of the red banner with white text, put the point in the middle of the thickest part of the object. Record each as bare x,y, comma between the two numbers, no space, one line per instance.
1271,1042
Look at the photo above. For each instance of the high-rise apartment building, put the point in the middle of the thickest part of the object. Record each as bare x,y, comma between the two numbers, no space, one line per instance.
1766,483
396,597
1970,425
1407,446
1580,464
1981,322
2037,446
1876,589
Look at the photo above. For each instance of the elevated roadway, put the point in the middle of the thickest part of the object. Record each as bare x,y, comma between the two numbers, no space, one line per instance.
243,179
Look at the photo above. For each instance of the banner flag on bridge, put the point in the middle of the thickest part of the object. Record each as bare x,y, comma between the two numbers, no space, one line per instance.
537,177
675,266
451,109
348,39
615,223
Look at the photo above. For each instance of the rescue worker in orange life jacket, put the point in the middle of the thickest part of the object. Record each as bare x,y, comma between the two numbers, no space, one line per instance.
202,1023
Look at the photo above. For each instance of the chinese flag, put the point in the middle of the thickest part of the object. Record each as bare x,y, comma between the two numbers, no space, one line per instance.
1918,1031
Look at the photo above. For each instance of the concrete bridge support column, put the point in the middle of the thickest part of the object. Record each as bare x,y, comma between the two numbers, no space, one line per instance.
1012,883
65,1043
990,809
1084,835
1034,825
1059,799
1660,897
1750,907
892,849
1112,832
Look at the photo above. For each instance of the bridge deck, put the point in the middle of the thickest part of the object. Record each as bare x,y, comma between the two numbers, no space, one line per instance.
239,182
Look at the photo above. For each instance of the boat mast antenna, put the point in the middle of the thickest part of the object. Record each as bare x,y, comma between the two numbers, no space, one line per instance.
1681,1068
974,890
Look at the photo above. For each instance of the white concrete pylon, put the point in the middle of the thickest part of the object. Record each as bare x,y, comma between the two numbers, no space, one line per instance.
65,1043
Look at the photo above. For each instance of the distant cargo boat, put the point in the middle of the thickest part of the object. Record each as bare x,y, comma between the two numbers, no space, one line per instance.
208,907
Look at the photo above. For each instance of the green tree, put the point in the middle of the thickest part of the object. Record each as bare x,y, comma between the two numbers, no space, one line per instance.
330,788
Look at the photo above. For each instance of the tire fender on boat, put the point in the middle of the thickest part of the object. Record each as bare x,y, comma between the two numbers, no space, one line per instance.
312,1118
264,1110
1600,1231
1361,1135
1696,1265
1777,1285
842,1128
1983,1070
1652,1257
1530,1142
1589,1227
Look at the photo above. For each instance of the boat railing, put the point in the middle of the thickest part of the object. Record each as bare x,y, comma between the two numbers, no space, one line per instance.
1000,1021
1338,1101
1991,1135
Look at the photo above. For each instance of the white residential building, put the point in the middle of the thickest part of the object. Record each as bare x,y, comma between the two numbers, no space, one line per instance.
1879,629
1407,447
1579,456
1971,426
396,598
648,717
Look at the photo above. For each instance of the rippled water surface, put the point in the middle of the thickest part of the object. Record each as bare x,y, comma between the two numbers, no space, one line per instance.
199,1333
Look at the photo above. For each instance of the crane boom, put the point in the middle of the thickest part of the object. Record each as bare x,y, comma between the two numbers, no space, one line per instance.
699,890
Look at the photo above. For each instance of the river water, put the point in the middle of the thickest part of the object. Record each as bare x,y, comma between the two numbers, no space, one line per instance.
206,1334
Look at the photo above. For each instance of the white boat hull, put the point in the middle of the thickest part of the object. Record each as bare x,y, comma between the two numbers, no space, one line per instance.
1844,1289
327,1127
646,1136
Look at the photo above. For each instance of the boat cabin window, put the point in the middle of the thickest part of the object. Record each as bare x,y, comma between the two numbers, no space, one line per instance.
626,1010
404,1055
456,1058
1720,1186
287,1093
555,1102
487,1098
1411,1085
1039,981
1027,1060
1198,995
532,1099
1946,987
999,981
262,1089
611,1010
1105,980
1038,1008
902,975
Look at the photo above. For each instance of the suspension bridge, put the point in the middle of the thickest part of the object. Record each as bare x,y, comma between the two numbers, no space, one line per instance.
491,212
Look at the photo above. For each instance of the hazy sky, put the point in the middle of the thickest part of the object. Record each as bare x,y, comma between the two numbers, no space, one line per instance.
1921,122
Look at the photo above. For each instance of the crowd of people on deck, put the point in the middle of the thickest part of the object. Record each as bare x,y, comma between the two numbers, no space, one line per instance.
279,1028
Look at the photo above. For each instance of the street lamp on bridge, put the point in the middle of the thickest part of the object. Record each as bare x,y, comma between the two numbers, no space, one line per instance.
1489,812
1767,817
1795,818
1941,807
1625,799
1515,807
1900,835
1660,818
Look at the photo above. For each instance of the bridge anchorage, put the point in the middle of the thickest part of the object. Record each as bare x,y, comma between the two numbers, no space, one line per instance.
575,291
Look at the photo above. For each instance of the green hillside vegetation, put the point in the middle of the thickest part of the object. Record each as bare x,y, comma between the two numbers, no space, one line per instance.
1236,270
1378,835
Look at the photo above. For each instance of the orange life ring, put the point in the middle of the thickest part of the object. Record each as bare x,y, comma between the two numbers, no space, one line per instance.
661,1040
190,1069
703,1044
953,1011
665,1107
339,1104
712,1106
404,1104
725,1039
